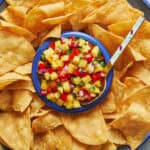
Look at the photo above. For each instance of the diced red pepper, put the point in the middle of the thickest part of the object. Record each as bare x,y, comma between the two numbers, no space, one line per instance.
91,45
83,74
71,56
41,66
43,93
69,76
53,86
48,90
89,97
63,76
76,51
72,38
50,70
74,44
52,45
76,72
63,96
102,58
94,77
86,94
58,80
89,58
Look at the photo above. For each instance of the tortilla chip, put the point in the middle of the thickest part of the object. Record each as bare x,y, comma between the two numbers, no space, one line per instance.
25,3
111,116
21,99
134,124
77,125
122,29
56,20
138,70
142,46
133,84
45,2
36,107
14,14
17,30
5,100
46,122
118,86
99,147
24,69
109,146
147,64
77,145
141,97
11,77
15,51
137,55
54,33
107,13
53,139
16,127
109,105
134,13
21,85
116,137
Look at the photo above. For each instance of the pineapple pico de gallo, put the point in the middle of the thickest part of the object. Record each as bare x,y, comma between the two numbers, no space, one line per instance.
71,72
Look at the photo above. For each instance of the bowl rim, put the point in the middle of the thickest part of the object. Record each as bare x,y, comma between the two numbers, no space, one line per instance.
36,82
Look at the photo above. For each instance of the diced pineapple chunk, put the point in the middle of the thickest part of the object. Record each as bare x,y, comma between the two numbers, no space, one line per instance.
60,63
90,68
58,44
81,42
51,97
65,58
64,47
87,86
86,79
60,89
49,52
76,89
53,76
76,104
95,51
67,41
54,64
44,85
47,76
97,83
82,63
57,95
55,56
85,48
71,68
76,80
98,68
95,89
70,97
76,60
68,105
59,102
66,87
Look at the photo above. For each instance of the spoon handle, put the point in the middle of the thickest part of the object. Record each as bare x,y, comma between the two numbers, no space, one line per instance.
126,41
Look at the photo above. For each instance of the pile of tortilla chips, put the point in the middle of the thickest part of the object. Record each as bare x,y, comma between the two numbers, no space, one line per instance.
26,123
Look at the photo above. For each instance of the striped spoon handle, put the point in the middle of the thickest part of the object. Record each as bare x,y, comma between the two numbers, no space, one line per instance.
126,41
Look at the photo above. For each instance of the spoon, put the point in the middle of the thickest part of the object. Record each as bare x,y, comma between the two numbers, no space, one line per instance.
124,44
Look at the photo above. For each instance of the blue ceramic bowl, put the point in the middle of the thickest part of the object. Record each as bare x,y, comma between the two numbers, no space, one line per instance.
36,81
1,1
